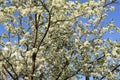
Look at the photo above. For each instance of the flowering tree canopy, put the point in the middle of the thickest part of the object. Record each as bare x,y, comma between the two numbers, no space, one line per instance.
58,40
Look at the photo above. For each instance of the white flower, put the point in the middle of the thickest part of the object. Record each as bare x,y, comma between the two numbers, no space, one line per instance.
104,15
27,34
5,49
34,50
1,15
4,35
25,11
86,43
111,25
42,59
28,52
90,21
15,42
75,34
23,41
71,3
26,78
85,64
114,51
34,75
96,20
57,2
112,8
13,32
18,68
14,0
95,31
94,74
8,44
103,1
87,25
76,40
1,65
105,29
90,11
91,3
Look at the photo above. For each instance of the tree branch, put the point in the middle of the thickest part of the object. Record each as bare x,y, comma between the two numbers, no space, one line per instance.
12,68
34,45
73,74
9,72
113,1
36,26
111,71
60,73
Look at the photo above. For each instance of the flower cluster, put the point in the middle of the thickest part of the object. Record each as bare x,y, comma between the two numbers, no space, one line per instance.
54,39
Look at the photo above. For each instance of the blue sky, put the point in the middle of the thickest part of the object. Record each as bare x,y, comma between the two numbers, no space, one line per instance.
116,16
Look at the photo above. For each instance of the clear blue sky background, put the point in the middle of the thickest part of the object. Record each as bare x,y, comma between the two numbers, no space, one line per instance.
116,16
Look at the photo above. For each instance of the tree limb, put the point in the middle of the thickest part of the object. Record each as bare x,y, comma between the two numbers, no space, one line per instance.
9,72
111,71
